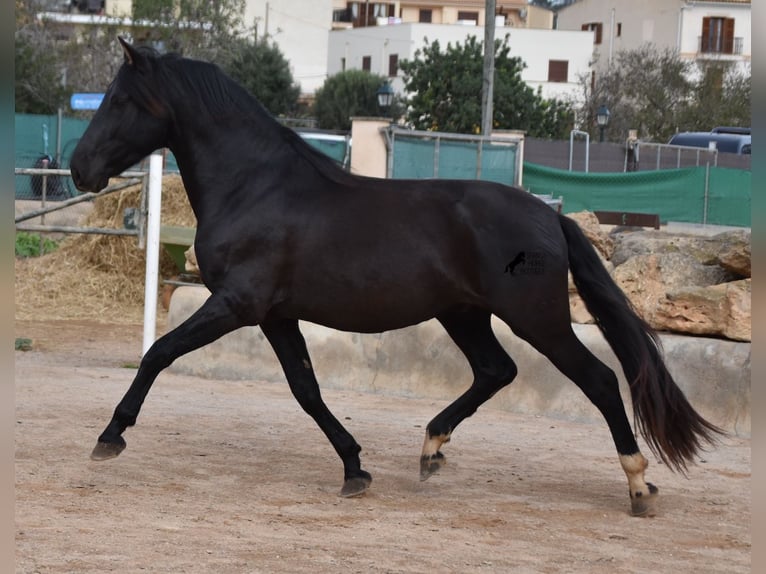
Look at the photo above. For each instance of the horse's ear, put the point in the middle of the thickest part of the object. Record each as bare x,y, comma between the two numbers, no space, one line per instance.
131,55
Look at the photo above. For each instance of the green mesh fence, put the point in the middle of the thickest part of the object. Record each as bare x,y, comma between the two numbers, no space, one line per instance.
691,195
37,135
418,157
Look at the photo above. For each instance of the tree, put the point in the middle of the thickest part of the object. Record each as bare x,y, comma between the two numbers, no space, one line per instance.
262,69
658,93
346,94
88,61
38,67
721,97
38,86
445,92
554,5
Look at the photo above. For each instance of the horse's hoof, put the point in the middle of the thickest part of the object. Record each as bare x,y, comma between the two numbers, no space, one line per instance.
430,465
355,486
107,450
643,505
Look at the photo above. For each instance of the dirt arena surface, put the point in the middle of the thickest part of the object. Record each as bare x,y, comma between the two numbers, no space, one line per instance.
232,477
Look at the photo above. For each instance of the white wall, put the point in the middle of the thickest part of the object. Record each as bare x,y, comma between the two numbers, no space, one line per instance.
299,28
692,25
534,47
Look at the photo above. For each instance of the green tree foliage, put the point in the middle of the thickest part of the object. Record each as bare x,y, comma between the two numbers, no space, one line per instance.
38,87
38,66
445,92
658,93
346,94
261,67
87,62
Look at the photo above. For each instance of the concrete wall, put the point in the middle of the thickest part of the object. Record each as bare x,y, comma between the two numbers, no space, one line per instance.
368,156
422,361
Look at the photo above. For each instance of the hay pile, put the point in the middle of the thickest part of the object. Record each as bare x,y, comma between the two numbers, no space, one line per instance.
98,277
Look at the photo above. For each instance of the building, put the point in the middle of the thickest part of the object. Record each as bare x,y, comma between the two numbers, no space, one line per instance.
516,13
699,30
320,38
556,60
300,28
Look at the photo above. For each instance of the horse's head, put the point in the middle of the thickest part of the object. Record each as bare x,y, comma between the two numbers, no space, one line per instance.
131,122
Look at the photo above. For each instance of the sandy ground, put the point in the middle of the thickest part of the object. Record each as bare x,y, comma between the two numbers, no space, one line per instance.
232,477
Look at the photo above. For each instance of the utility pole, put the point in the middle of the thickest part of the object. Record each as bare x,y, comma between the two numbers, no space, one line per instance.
488,73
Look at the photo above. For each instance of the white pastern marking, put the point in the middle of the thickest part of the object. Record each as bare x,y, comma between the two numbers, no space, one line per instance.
432,444
634,466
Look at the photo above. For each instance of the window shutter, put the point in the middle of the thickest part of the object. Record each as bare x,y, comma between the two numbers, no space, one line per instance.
705,44
393,64
728,36
558,70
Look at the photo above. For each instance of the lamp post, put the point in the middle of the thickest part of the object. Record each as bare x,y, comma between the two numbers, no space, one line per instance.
602,119
385,95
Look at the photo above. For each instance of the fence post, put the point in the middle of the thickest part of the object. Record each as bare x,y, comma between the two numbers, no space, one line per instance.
707,193
152,250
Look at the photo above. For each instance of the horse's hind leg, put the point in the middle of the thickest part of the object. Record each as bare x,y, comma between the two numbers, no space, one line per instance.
492,370
212,320
552,335
290,347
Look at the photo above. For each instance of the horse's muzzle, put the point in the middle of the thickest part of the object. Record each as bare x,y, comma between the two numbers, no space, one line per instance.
83,184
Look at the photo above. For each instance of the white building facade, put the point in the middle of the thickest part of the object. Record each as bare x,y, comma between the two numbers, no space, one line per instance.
556,60
699,30
300,29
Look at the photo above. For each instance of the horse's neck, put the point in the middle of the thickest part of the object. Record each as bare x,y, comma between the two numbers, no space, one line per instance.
210,152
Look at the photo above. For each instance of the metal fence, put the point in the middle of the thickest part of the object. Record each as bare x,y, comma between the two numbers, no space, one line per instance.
134,222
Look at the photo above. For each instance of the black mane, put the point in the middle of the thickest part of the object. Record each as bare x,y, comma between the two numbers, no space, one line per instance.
177,78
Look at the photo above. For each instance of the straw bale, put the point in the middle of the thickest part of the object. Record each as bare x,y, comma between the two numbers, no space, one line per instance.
98,277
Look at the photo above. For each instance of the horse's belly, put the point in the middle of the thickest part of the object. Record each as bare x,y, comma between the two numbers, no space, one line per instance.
370,312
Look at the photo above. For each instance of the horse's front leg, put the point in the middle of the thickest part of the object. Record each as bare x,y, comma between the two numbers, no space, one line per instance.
212,320
290,347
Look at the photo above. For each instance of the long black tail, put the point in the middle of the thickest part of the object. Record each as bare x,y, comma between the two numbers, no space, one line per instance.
669,424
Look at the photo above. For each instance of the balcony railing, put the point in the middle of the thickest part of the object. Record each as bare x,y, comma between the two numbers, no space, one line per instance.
718,47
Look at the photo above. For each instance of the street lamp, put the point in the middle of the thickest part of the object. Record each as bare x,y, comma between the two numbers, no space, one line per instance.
602,119
385,95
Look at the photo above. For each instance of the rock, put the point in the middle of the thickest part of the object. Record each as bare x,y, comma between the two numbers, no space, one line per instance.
718,310
647,278
734,255
630,244
677,282
600,239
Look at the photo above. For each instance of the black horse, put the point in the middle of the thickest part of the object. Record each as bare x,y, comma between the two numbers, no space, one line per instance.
283,235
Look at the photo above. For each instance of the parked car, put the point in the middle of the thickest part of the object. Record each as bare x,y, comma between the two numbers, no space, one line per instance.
731,130
725,142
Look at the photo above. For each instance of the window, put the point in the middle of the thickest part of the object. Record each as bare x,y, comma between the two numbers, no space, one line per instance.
366,13
596,27
366,63
717,35
343,64
619,29
558,70
393,64
463,15
424,16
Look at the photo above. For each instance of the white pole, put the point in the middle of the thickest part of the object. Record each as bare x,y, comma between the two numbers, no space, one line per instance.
154,205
